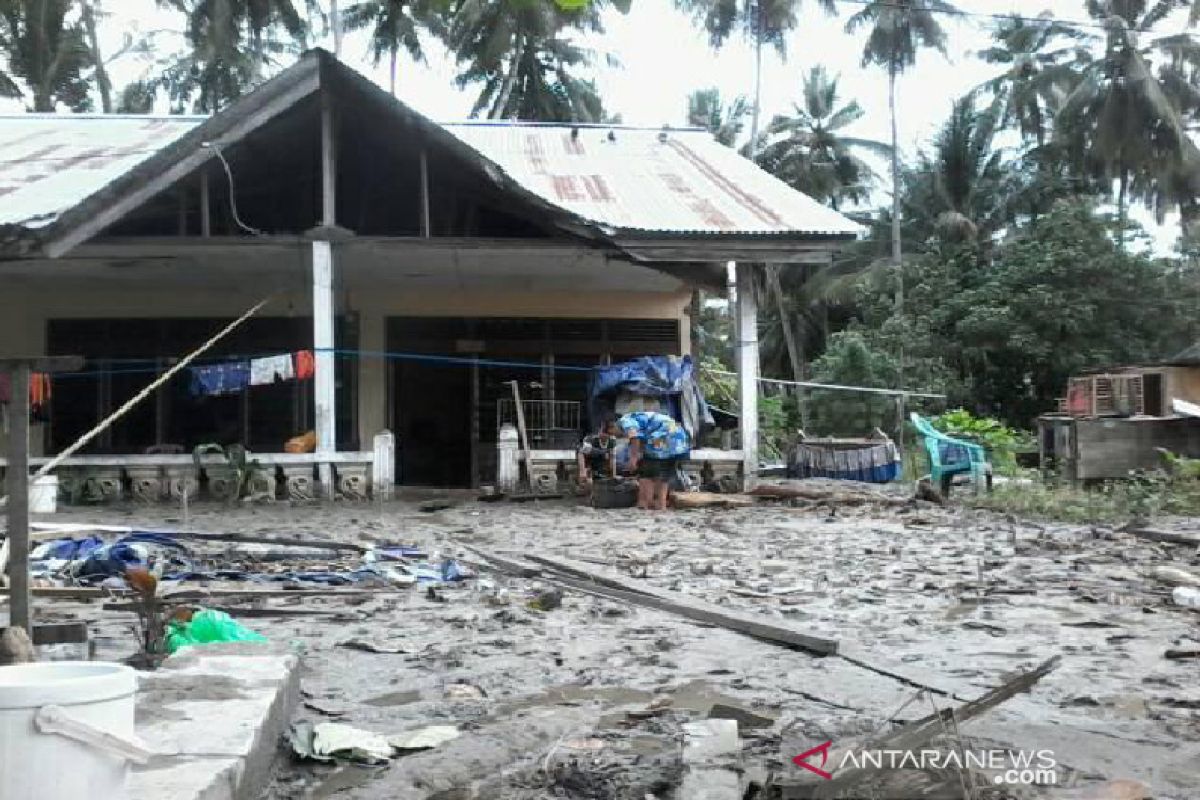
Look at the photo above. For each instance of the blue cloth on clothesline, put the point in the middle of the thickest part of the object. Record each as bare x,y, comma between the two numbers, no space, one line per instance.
219,379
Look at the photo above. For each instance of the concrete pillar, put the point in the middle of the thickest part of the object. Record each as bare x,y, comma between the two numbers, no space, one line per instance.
324,383
747,369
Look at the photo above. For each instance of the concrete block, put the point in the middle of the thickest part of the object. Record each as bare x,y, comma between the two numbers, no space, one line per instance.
188,779
218,712
710,739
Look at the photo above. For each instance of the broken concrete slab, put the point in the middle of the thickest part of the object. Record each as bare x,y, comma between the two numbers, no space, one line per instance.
218,711
712,753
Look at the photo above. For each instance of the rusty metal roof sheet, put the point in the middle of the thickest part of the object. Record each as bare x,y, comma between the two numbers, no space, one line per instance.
647,181
630,181
51,162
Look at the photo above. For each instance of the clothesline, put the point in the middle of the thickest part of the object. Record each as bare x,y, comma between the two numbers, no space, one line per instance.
340,352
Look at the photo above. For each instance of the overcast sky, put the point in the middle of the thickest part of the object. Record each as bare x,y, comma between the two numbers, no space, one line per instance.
663,57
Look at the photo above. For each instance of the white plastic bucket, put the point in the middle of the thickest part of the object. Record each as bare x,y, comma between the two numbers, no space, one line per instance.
35,765
43,499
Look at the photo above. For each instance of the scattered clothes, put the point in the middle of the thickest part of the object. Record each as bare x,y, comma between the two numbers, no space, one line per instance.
393,552
265,371
424,738
327,741
220,379
305,365
449,571
207,626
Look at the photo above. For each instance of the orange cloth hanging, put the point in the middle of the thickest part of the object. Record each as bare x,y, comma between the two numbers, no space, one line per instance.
305,365
39,391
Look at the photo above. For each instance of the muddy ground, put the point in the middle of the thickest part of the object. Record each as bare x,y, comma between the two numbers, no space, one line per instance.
588,700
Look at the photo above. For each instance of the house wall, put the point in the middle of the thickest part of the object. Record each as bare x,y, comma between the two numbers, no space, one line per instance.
1110,448
1182,383
25,309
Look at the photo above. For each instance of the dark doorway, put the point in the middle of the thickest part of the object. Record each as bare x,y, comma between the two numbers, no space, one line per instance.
433,421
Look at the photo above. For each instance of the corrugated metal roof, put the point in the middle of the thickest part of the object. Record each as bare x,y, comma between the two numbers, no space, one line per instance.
632,180
50,162
647,181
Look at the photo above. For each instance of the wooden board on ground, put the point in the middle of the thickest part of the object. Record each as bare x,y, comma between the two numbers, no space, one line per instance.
710,500
851,494
1166,537
581,575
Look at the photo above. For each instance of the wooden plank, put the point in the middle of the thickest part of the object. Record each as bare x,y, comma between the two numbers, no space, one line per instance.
710,500
580,574
1167,537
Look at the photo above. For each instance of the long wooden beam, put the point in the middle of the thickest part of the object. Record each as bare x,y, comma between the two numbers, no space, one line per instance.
584,576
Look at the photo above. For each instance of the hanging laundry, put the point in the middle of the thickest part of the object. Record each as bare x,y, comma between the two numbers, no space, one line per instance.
265,371
305,365
218,379
39,397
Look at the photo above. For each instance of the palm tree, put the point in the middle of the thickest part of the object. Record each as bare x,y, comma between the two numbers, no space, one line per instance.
522,54
759,21
230,44
45,51
705,110
1039,59
810,150
898,29
1120,124
958,191
395,26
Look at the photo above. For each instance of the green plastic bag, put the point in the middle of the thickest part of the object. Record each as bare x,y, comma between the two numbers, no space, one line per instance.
207,627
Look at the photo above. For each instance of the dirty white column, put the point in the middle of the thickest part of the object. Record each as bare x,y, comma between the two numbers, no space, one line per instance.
747,370
324,385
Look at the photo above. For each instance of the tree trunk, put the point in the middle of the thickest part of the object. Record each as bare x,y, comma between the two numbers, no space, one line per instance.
1122,201
335,21
755,111
897,249
103,82
795,355
392,72
510,81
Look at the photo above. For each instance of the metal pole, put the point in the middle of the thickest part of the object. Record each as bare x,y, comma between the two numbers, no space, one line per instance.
18,499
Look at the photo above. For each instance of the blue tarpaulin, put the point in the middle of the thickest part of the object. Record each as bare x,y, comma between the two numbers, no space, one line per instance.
670,378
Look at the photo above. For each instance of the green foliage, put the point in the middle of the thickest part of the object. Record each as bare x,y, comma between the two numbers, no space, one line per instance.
1000,441
852,360
811,150
47,51
1001,328
1140,497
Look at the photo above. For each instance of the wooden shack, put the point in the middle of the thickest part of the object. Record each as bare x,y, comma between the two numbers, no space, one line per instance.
1114,422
